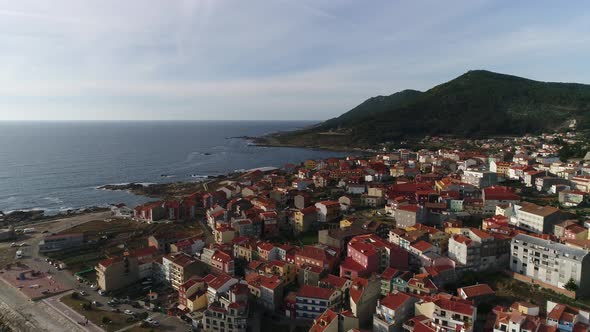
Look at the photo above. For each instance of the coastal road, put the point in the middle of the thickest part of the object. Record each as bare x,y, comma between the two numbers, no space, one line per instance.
26,315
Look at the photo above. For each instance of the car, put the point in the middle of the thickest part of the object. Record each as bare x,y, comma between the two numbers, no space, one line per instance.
115,310
13,244
45,232
128,312
93,286
155,323
96,303
101,292
83,293
23,244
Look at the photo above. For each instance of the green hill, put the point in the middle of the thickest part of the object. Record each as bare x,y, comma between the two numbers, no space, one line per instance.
476,104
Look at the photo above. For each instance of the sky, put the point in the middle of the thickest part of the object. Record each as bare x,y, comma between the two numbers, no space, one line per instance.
267,60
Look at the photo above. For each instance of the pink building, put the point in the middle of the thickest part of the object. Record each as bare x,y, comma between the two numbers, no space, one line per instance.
369,254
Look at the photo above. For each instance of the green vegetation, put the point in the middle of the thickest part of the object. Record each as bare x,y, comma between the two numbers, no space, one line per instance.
110,321
477,104
571,285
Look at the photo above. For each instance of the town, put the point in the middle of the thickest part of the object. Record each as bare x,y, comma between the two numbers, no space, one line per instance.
491,236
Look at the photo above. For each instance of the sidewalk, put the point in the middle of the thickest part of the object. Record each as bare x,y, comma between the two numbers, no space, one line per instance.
70,314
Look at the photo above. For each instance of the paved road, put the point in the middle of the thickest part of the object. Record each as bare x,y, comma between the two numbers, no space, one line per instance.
33,316
40,316
70,314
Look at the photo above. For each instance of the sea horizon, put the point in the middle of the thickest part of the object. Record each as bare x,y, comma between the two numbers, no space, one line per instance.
58,165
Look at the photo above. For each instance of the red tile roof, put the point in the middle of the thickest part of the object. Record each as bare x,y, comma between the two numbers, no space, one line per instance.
454,306
422,245
221,280
477,290
394,301
315,292
357,288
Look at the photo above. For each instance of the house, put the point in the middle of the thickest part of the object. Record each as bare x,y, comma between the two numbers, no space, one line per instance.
231,306
268,291
321,256
223,262
178,268
189,246
219,285
310,275
224,234
422,284
519,318
313,301
571,198
497,195
465,251
149,212
305,219
331,321
367,254
59,242
387,277
447,313
328,211
364,294
409,215
478,294
480,179
192,295
566,318
536,218
392,311
581,183
284,270
122,211
544,183
267,251
162,241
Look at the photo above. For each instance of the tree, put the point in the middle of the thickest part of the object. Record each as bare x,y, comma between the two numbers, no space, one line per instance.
571,285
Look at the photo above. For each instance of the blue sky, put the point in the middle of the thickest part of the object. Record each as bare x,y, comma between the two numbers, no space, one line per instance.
273,59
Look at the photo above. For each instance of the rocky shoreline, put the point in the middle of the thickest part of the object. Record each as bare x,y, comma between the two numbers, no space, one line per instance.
21,217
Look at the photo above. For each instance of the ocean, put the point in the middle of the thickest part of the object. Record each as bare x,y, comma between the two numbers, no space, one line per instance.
57,166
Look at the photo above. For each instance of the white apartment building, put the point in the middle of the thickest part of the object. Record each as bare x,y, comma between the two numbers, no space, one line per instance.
550,262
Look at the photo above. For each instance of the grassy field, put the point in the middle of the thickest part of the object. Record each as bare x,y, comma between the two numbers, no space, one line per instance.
111,238
118,320
7,255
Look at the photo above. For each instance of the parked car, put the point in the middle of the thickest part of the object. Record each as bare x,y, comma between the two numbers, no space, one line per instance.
101,292
128,312
83,293
96,303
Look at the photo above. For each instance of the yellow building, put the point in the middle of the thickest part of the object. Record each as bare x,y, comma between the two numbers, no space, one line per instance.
310,164
286,271
345,223
305,218
197,301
